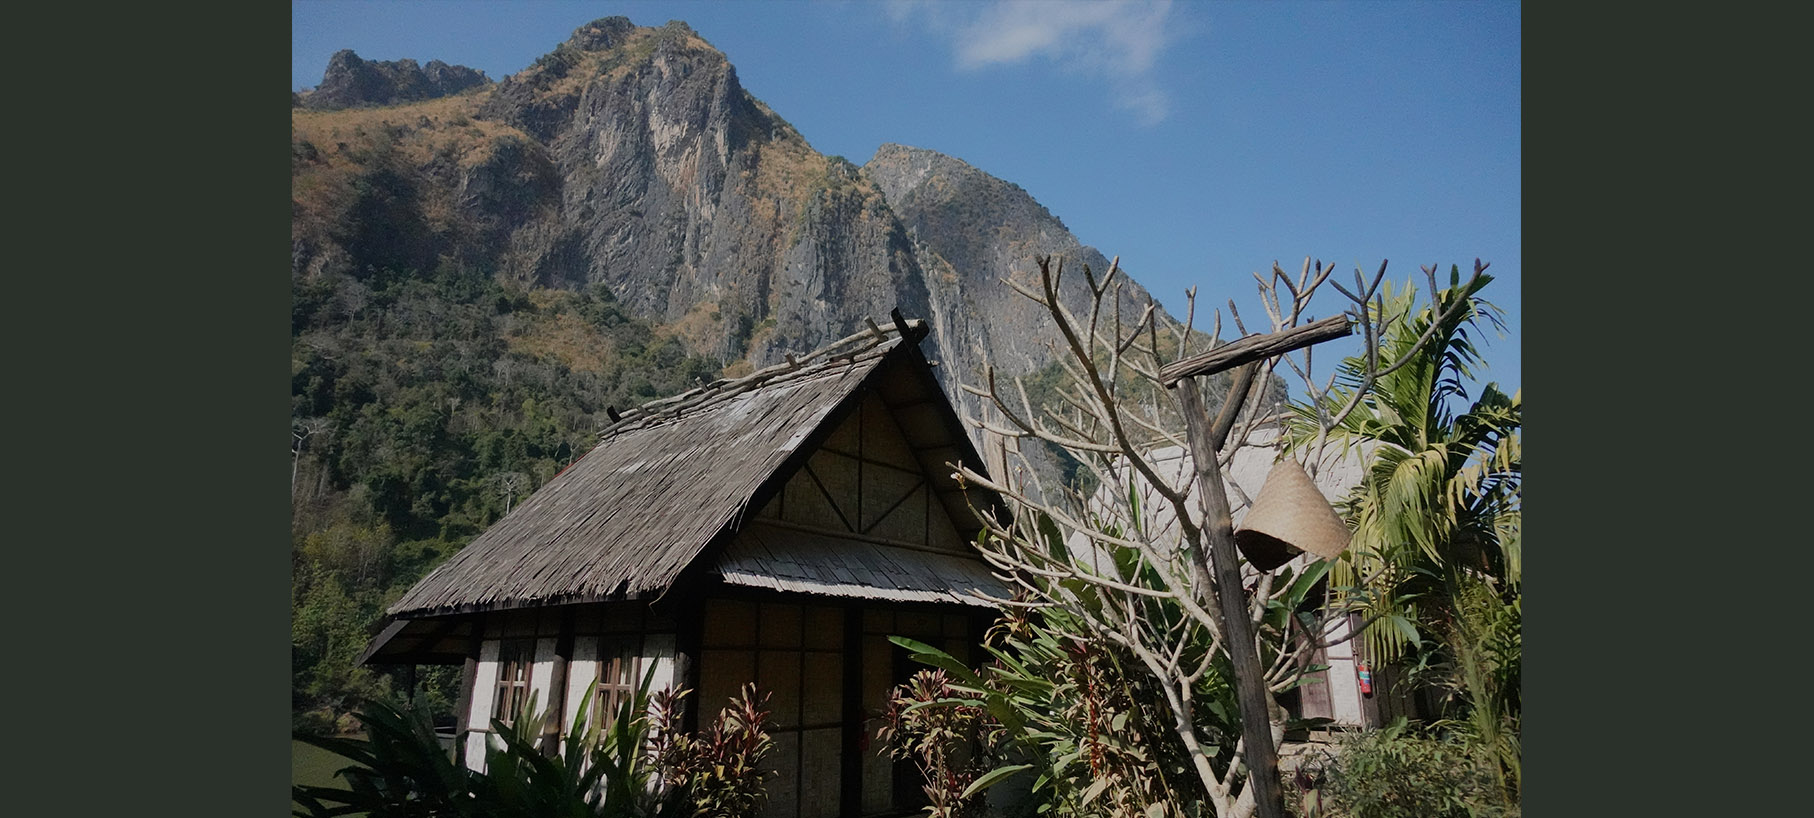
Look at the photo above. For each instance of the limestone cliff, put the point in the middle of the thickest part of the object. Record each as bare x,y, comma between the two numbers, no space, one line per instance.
632,157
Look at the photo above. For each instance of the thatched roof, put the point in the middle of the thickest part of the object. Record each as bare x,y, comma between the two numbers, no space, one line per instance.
671,479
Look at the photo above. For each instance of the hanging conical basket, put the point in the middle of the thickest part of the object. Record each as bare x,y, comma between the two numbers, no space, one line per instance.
1289,517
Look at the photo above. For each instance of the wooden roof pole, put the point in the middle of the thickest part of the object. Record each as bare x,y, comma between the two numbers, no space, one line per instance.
1261,755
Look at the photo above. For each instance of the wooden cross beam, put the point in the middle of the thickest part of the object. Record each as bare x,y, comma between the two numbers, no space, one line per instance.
1255,348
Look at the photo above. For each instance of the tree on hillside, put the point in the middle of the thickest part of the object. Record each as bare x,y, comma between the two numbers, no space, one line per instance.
300,432
1129,562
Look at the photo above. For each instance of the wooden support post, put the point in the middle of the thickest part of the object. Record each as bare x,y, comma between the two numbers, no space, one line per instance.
850,798
689,635
469,676
1237,632
558,716
1206,439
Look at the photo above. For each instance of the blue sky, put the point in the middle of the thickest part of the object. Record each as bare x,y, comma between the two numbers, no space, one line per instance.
1198,141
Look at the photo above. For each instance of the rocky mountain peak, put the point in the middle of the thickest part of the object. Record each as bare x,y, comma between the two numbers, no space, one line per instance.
601,34
905,172
351,82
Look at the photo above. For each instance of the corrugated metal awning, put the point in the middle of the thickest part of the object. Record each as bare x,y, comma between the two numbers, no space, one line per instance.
794,560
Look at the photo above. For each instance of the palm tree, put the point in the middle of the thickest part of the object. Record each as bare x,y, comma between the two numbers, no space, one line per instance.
1436,518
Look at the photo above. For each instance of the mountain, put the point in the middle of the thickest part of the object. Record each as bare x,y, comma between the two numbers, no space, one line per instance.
483,272
634,158
351,82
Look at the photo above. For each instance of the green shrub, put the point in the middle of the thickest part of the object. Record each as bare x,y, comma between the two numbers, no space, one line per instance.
1401,772
636,766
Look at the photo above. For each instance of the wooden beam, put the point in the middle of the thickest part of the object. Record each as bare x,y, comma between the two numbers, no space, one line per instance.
1231,602
1255,348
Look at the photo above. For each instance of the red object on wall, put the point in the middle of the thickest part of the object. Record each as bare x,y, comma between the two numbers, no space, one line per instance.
1366,678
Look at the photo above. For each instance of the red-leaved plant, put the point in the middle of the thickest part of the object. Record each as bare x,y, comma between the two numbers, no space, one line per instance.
716,774
949,735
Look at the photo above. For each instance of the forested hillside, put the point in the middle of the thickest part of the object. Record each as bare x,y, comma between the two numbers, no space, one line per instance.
424,406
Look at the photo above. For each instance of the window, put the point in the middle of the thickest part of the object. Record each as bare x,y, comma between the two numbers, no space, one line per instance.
619,678
514,658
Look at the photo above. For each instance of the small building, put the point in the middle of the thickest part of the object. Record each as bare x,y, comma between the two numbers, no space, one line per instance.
776,528
1335,691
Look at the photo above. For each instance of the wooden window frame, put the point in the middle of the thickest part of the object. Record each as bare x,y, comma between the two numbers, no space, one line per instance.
614,685
516,663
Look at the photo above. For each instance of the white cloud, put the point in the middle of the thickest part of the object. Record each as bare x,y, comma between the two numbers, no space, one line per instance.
1114,40
1150,106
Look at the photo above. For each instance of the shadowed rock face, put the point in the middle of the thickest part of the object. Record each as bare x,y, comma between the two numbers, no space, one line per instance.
633,157
684,194
352,82
976,232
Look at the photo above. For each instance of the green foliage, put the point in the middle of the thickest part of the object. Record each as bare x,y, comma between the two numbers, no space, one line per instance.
399,769
1442,490
327,631
599,773
716,774
1399,772
1437,518
1106,733
951,737
1089,723
639,766
1480,673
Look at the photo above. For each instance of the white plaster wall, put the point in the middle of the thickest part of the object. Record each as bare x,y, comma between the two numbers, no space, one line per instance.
475,751
658,650
1344,685
541,674
478,717
582,671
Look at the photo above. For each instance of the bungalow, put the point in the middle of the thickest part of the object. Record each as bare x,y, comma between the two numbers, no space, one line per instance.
776,528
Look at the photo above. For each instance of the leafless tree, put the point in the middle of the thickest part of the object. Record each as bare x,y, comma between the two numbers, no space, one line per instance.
300,432
509,484
1119,419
